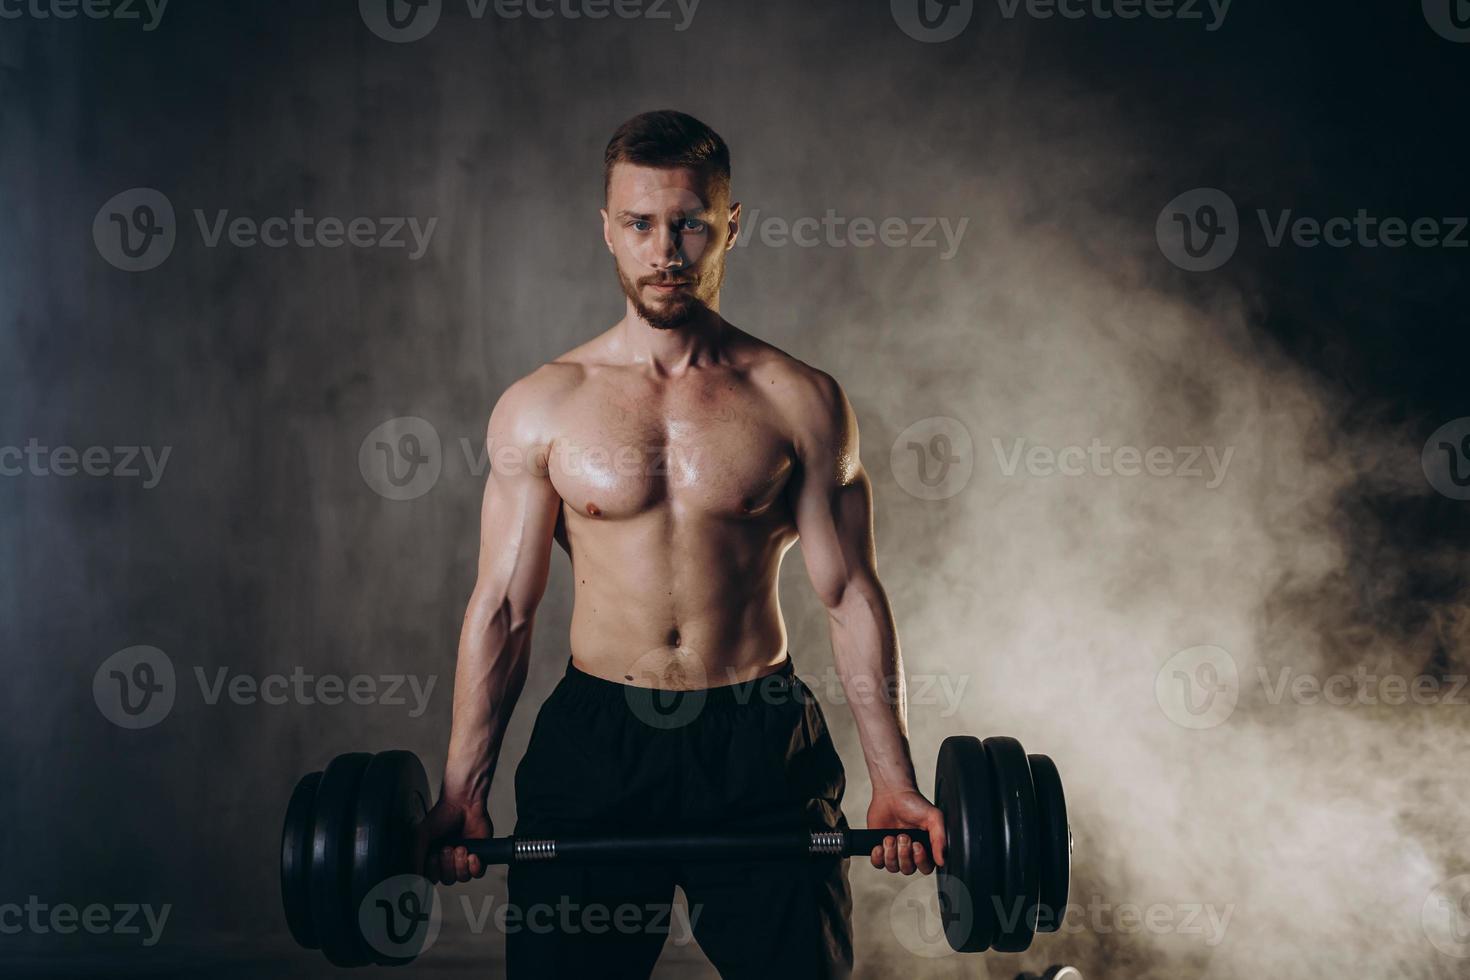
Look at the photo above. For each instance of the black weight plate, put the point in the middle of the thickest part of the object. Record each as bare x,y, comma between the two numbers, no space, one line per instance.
392,798
1019,864
964,791
332,834
296,861
1055,844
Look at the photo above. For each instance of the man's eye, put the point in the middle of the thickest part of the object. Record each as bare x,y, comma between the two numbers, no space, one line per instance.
641,226
693,224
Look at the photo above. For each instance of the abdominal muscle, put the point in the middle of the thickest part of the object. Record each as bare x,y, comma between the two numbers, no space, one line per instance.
678,603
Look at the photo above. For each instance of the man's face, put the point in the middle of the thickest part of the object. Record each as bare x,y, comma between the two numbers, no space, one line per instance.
668,234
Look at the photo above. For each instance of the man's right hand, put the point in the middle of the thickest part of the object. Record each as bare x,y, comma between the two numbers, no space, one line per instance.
448,821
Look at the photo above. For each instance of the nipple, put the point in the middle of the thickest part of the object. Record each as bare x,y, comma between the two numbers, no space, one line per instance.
593,509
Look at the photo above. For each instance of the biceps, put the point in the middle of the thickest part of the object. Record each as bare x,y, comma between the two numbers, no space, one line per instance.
835,524
517,521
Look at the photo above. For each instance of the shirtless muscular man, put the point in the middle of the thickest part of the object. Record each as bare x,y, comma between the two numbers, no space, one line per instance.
676,458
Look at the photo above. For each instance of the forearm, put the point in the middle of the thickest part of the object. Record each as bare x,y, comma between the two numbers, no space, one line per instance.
494,649
870,666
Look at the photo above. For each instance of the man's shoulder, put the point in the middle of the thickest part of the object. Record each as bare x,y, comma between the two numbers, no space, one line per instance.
803,392
523,413
542,386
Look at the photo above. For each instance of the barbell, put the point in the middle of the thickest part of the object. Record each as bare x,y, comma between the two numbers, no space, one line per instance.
350,829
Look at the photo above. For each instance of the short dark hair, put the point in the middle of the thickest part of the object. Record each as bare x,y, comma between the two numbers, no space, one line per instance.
667,138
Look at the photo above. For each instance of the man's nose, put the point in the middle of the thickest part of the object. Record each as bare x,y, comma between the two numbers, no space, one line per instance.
669,250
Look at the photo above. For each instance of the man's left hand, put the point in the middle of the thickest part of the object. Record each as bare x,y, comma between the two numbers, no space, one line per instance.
903,854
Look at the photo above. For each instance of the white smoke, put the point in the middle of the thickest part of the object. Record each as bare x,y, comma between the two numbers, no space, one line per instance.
1293,839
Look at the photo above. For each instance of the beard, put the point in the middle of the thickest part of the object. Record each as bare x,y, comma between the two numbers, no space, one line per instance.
680,309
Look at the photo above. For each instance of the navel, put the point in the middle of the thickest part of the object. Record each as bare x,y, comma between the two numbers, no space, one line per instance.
673,639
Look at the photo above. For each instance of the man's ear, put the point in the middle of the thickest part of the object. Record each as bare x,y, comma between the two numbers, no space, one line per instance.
606,230
734,226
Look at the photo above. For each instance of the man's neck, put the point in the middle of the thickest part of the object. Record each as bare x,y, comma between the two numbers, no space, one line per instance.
698,342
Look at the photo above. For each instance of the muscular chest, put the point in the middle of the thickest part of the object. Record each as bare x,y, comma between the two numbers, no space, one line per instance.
711,447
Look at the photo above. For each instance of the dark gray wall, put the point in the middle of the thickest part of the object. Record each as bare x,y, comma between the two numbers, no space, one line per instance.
1048,604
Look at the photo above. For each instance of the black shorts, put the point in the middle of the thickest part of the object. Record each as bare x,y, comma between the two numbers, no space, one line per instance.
609,758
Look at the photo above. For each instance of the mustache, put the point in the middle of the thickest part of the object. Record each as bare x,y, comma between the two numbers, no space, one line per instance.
663,281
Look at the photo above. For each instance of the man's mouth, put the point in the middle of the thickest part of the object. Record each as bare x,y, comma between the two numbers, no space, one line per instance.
669,287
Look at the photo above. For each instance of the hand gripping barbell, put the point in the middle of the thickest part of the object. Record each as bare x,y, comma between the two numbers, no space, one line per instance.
1005,877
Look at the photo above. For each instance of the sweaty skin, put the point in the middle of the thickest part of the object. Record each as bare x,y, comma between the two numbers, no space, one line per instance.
676,459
